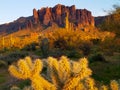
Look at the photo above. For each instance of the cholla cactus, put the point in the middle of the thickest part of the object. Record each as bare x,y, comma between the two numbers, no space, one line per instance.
75,78
80,86
63,74
90,84
114,85
28,70
103,87
15,88
59,71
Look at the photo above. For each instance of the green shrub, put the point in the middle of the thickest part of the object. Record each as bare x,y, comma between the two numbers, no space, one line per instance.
31,47
95,49
96,57
44,47
75,54
24,83
108,46
13,56
86,47
2,79
96,41
56,52
3,63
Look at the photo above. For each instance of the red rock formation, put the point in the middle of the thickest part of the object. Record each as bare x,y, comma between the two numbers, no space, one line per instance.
58,14
72,13
47,16
35,15
80,17
29,24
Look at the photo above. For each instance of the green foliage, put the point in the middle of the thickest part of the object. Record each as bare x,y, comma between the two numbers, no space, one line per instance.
96,57
44,47
112,22
31,47
86,47
2,79
62,40
10,57
110,45
24,83
96,41
105,71
95,49
3,63
56,52
74,54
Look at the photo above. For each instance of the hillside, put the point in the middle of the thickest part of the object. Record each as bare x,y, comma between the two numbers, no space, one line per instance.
47,16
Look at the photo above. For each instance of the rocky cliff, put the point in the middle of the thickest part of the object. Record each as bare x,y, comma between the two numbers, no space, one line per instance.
47,16
20,23
57,14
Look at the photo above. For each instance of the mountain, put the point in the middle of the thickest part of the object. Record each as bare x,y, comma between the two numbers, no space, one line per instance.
48,16
58,13
99,20
21,23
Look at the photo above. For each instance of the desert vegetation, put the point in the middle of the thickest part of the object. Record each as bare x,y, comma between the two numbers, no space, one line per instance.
18,42
61,49
62,74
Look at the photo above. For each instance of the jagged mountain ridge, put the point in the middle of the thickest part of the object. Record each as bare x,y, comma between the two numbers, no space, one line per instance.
20,23
47,16
58,13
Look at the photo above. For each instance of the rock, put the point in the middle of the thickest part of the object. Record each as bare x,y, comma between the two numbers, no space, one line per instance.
49,16
72,13
29,24
35,15
57,14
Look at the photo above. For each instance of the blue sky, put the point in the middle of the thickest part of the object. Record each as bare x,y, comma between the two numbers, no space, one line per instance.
10,10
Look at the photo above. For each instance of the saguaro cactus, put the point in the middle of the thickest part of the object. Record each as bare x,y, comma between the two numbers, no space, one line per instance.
45,47
11,40
67,21
3,42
